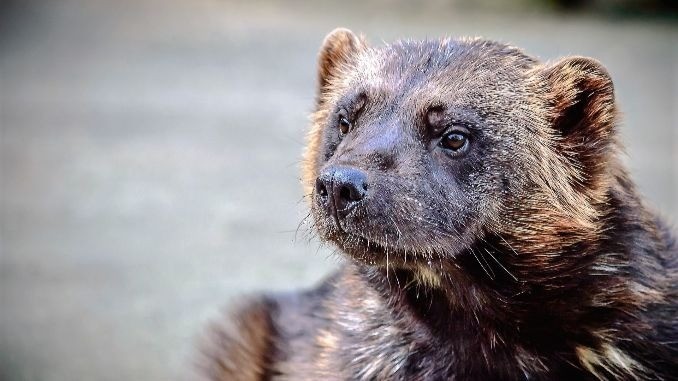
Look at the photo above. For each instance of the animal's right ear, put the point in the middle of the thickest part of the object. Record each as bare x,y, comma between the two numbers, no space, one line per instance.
339,47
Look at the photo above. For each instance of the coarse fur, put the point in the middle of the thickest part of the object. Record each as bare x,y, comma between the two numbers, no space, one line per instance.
526,255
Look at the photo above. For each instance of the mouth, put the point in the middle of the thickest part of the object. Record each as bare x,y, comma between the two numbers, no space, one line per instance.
366,249
361,242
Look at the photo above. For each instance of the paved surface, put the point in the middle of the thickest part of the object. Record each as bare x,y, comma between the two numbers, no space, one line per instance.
149,157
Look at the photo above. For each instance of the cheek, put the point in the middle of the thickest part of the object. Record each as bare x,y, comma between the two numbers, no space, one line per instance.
471,185
454,175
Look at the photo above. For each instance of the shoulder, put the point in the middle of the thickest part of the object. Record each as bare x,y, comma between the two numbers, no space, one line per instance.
242,345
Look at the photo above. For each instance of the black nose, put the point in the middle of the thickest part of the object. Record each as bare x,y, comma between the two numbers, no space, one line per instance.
340,188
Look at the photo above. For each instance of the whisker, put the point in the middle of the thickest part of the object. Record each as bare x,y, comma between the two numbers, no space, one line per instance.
502,266
480,263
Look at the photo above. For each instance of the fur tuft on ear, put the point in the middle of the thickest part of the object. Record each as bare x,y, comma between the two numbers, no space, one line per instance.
337,49
580,97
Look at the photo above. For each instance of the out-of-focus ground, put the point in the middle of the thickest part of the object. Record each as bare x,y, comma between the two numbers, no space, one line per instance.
149,158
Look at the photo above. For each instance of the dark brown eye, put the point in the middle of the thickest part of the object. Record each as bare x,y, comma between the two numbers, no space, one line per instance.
454,141
344,125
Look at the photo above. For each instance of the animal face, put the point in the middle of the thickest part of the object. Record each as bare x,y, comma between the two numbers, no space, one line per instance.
420,149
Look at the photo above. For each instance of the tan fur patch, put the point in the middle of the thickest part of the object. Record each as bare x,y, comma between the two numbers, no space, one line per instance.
611,360
428,277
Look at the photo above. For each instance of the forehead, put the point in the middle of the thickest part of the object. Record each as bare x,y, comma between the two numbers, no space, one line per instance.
440,71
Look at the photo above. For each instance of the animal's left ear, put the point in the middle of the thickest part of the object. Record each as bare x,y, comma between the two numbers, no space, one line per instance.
580,98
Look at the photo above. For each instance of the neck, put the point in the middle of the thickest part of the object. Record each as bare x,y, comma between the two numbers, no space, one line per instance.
496,287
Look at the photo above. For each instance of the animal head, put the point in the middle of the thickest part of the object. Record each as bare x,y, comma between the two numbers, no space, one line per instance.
418,150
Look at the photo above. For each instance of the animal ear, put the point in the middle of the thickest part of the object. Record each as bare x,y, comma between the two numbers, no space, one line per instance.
580,97
339,47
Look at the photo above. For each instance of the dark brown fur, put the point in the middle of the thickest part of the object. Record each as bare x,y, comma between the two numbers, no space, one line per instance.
530,256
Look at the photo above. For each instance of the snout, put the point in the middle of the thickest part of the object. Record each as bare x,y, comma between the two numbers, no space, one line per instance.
339,189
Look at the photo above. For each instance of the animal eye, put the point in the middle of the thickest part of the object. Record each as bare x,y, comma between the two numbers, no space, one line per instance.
344,125
454,141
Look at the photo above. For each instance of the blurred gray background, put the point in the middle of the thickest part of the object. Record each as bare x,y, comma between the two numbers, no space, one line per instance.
149,157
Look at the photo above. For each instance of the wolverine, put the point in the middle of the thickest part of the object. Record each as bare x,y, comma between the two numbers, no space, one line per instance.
489,227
